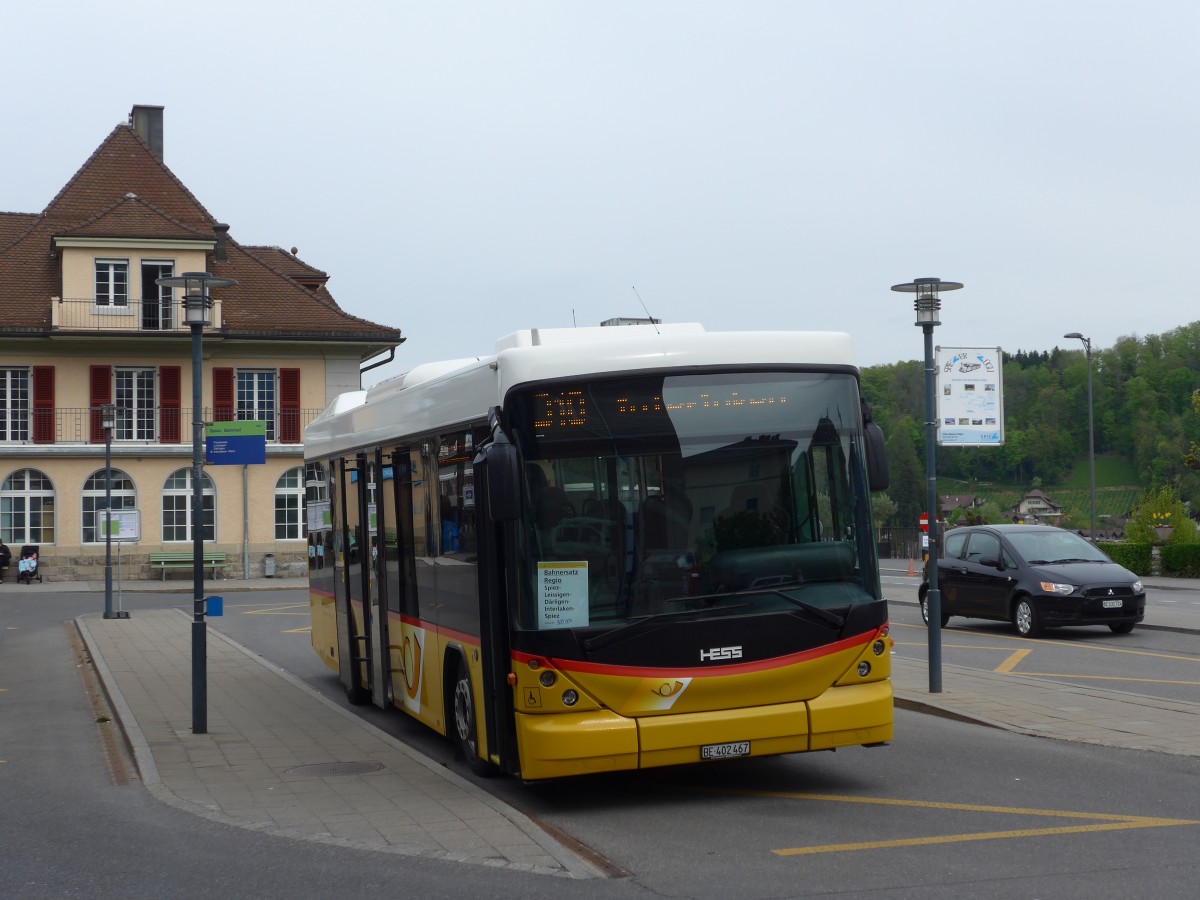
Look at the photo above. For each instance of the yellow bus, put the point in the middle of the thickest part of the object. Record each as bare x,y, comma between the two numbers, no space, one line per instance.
609,548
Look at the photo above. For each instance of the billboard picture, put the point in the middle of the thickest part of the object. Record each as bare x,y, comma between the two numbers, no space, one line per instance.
970,397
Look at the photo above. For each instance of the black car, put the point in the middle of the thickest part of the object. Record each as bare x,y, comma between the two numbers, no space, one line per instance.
1035,576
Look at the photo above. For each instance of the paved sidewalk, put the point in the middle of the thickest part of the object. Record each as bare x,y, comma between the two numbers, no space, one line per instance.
1037,706
366,790
1068,711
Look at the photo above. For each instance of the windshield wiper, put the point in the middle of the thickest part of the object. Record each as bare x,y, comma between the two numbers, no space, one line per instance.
1071,559
641,625
823,614
629,629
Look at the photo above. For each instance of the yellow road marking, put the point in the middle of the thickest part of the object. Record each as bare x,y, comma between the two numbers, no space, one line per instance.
980,836
305,630
1011,663
1099,822
1109,678
280,610
1071,645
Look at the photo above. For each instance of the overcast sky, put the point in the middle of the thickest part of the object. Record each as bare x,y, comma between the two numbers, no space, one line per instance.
463,170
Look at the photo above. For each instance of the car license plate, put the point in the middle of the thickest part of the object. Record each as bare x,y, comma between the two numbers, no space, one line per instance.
725,751
1112,604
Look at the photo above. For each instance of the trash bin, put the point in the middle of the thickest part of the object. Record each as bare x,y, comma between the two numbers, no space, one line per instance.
269,565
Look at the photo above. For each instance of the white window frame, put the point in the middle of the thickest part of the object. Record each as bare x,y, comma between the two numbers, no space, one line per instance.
256,398
110,300
178,489
16,404
136,419
289,506
22,494
124,496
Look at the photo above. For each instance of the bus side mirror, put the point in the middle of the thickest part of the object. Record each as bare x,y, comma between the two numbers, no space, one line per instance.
503,479
877,467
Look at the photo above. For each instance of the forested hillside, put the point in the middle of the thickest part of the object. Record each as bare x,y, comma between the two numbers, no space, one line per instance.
1144,418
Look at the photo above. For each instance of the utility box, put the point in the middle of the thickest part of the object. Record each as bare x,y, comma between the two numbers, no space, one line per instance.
269,565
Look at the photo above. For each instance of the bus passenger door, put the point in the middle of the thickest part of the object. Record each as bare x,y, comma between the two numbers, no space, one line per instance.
373,561
352,622
497,580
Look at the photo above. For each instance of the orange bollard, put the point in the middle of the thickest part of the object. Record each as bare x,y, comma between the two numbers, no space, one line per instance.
912,572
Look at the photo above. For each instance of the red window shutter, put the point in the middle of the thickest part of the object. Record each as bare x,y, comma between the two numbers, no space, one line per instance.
101,393
168,405
43,405
289,406
223,404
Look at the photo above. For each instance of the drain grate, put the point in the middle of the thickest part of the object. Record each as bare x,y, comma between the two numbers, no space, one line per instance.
330,769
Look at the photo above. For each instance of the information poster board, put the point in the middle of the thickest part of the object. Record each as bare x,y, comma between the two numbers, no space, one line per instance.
121,524
970,397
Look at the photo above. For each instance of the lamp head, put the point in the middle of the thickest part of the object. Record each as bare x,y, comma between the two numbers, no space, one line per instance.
108,416
927,303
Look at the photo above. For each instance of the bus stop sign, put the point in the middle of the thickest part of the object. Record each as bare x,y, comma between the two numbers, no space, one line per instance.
925,522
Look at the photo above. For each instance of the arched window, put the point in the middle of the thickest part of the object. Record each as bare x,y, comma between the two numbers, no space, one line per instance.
289,506
27,509
177,507
124,496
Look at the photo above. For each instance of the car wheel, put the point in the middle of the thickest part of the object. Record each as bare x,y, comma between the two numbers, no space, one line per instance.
1120,627
925,611
465,735
1025,617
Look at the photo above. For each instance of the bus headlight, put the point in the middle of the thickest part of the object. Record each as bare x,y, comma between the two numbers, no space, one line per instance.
878,647
864,669
547,678
570,698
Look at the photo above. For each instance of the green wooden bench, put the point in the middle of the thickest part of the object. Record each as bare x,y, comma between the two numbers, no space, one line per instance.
186,560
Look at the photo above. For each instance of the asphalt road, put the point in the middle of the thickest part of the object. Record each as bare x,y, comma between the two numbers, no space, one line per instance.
948,810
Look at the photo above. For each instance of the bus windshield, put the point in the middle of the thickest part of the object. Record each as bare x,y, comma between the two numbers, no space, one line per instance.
696,494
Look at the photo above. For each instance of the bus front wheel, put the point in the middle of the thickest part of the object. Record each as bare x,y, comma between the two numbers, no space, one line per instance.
466,733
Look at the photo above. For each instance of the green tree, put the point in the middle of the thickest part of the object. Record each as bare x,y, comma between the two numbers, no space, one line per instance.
907,476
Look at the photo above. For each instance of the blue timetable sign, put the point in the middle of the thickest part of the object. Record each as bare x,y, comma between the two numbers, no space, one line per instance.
236,443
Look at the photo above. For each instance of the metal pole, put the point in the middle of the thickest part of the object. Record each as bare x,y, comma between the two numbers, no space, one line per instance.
934,596
199,637
1091,445
108,582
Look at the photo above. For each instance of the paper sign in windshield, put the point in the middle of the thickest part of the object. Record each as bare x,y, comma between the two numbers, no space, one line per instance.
562,594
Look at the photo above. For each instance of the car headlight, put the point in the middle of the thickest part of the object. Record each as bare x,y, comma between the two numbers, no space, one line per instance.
1053,587
1137,587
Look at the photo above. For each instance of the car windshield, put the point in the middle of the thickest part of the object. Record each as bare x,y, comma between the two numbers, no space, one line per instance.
1043,547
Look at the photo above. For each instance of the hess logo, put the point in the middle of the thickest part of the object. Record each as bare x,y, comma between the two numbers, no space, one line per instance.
720,653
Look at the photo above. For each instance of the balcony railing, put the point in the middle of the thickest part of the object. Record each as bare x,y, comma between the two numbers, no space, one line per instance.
124,315
74,426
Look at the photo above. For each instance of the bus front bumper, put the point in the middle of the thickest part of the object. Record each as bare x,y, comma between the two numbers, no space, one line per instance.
563,744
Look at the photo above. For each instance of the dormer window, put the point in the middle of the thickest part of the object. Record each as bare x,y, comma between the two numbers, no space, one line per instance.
112,282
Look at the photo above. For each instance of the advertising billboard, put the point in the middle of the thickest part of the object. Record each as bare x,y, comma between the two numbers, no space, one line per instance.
970,397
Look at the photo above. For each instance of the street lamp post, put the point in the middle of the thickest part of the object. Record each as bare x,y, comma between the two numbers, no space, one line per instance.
108,421
196,304
1087,350
927,305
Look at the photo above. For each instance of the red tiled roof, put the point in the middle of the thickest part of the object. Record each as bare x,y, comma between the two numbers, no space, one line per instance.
124,191
289,264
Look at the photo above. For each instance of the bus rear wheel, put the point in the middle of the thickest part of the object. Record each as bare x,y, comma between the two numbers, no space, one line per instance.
466,735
